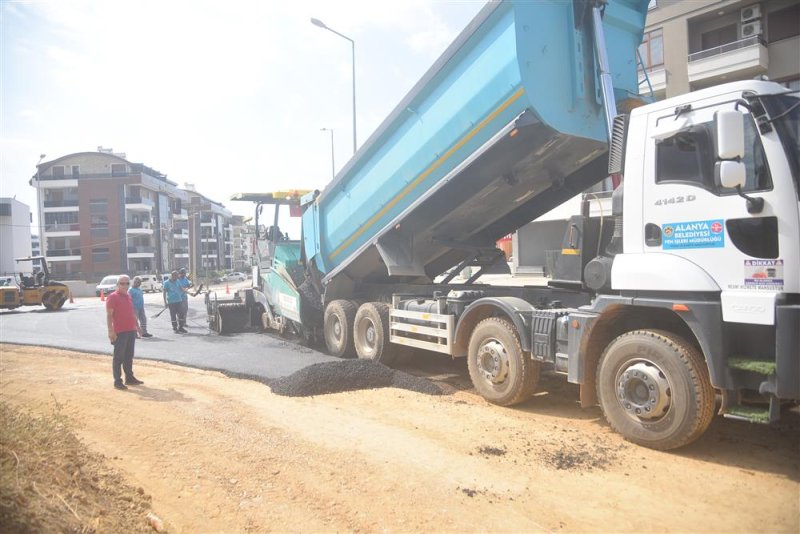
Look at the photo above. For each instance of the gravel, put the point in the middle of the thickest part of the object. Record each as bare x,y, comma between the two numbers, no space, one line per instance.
348,375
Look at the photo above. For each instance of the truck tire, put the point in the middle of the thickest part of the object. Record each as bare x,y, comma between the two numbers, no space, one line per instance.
371,333
338,328
500,370
654,389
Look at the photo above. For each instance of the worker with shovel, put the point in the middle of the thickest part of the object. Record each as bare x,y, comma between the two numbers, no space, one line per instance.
173,298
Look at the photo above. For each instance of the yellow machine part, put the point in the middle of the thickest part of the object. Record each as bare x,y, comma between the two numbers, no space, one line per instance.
51,296
9,297
32,296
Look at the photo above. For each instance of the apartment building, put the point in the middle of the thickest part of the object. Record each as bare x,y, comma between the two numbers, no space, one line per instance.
241,245
690,44
102,214
36,250
209,237
15,232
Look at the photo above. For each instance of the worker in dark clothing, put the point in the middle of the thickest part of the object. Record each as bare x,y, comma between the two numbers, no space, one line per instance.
173,298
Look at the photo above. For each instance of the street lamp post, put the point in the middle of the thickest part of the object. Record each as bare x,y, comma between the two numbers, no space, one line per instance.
333,165
317,22
39,208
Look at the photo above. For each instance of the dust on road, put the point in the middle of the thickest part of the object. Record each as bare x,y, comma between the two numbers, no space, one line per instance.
223,454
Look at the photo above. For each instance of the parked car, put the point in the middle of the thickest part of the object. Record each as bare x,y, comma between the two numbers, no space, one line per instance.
107,284
234,277
150,283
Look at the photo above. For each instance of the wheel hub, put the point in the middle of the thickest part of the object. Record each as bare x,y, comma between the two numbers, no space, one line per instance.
370,333
337,329
493,361
643,390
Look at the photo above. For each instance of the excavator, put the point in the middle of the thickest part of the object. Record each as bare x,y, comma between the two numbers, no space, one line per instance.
34,290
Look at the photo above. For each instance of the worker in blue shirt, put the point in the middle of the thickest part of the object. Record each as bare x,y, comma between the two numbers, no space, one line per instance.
173,297
185,283
137,297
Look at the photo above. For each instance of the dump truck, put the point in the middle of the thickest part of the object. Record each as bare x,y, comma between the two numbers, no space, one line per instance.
682,302
35,290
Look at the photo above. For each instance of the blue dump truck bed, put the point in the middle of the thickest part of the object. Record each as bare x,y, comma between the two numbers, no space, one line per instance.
507,124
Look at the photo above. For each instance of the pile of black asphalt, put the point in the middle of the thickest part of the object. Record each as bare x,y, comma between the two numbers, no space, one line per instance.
348,375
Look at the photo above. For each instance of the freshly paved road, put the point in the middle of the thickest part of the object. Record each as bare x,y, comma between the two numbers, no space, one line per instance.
82,326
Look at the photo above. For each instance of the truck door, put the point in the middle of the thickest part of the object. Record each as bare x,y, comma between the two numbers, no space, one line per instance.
751,256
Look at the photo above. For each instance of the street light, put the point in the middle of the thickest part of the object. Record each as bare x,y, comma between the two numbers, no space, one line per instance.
333,165
39,204
317,22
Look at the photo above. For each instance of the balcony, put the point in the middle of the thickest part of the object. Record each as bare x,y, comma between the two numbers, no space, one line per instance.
138,203
140,228
745,58
180,251
181,215
181,234
62,230
61,203
64,254
141,251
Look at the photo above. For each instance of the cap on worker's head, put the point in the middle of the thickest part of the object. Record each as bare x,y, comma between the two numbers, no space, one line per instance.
182,271
174,272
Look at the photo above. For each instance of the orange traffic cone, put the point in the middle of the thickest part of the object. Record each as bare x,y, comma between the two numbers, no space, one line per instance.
227,289
102,295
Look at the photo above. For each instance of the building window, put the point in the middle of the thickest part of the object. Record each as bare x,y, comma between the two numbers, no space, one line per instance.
99,232
784,23
794,85
119,169
76,171
718,37
99,220
652,49
58,171
98,206
100,255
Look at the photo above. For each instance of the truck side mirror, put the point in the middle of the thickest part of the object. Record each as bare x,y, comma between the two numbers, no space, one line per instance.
730,134
730,174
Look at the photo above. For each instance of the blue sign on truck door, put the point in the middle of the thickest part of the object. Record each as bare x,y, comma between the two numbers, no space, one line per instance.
694,234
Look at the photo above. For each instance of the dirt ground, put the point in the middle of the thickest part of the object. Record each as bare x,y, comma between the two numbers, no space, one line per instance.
217,454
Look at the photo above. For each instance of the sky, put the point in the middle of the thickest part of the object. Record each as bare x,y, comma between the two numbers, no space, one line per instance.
228,96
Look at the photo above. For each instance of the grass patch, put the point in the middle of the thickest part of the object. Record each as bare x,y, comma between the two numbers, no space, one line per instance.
50,482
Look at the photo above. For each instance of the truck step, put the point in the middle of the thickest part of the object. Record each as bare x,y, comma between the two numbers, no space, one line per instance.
755,414
761,367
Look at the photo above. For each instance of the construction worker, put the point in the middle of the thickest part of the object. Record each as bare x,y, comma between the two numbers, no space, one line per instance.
137,296
185,283
173,298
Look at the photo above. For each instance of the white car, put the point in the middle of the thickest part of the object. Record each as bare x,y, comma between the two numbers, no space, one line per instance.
234,277
150,283
107,285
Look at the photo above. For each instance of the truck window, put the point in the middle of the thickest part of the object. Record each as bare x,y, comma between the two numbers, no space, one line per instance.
688,157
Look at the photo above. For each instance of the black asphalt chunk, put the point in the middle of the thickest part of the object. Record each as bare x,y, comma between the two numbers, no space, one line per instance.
348,375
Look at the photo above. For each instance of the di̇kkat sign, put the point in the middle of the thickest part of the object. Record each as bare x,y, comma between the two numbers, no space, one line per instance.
763,273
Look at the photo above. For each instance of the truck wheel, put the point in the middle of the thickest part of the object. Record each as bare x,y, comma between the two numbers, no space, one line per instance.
654,389
499,369
371,333
338,328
